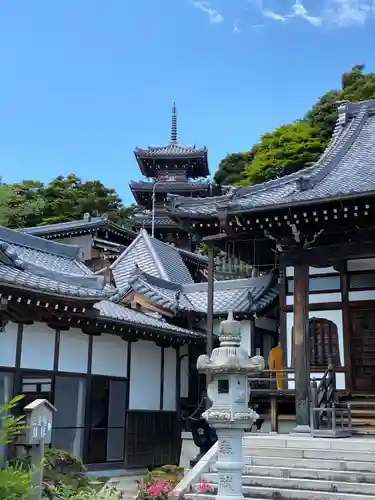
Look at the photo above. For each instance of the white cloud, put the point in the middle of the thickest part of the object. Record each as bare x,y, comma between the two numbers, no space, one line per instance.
236,28
300,11
349,12
269,14
214,15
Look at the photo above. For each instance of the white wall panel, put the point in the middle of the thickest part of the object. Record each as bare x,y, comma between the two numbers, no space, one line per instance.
362,295
184,367
145,371
74,349
8,345
246,336
169,390
361,264
324,298
313,271
289,271
109,356
38,347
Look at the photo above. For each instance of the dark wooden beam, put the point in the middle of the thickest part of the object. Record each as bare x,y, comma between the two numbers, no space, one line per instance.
301,347
330,254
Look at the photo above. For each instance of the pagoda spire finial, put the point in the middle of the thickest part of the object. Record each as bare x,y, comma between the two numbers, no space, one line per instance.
174,125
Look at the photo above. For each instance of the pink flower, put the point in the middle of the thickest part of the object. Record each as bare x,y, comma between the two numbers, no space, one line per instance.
204,486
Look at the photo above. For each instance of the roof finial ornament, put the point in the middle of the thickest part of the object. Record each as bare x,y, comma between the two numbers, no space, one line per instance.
174,125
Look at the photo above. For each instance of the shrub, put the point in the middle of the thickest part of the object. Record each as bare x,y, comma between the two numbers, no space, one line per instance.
68,493
11,426
15,483
63,472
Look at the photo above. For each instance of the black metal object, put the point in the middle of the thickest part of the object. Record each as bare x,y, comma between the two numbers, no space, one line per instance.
204,438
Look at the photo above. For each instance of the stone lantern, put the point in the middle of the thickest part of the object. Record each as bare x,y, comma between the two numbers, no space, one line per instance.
229,368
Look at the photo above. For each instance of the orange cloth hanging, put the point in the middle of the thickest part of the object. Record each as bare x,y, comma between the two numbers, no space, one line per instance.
275,362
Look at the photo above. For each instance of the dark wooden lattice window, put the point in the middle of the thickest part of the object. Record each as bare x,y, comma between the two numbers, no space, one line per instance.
324,343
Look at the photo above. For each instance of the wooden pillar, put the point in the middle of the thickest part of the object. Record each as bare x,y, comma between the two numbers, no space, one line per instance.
301,346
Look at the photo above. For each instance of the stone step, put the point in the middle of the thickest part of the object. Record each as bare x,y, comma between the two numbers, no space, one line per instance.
333,465
341,455
304,473
288,441
281,483
261,493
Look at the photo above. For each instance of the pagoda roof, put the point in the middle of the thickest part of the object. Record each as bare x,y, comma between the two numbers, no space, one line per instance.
161,221
85,225
251,295
194,159
345,170
169,186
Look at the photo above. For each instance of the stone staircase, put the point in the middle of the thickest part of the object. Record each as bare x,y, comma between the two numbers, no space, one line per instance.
283,467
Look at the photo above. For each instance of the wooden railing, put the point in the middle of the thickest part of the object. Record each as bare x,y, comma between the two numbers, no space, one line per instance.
327,416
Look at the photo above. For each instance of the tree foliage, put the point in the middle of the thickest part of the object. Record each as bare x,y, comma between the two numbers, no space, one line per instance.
295,146
31,203
283,151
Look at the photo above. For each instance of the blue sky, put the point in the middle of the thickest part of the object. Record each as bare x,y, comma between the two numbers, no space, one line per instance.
83,82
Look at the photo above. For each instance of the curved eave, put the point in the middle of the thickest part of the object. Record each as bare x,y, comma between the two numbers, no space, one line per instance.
195,171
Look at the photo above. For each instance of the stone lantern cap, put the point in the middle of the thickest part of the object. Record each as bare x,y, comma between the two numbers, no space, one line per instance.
230,357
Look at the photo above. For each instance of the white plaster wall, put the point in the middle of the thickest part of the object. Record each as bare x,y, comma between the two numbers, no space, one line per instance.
333,315
317,298
169,390
84,241
361,264
109,356
246,336
8,345
216,326
362,295
74,350
184,367
38,347
145,374
313,271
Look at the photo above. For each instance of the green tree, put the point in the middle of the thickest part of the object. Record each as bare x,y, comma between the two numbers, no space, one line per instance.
31,203
231,168
293,147
283,151
19,209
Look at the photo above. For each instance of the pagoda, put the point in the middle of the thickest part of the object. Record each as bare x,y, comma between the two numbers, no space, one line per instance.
169,169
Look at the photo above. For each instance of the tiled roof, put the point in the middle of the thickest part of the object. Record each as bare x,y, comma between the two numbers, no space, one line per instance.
76,226
170,150
50,268
169,186
241,296
152,256
36,264
124,314
346,168
145,220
